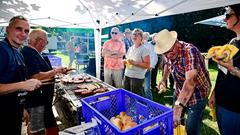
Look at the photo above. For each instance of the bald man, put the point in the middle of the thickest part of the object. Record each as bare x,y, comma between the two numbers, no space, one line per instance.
39,102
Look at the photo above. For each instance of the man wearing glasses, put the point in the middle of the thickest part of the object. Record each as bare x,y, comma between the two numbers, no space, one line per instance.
226,93
187,66
113,51
39,102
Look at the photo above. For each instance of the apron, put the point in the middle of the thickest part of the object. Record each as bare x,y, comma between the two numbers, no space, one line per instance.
12,104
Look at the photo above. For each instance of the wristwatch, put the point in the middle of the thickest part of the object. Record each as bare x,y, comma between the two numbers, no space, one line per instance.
179,104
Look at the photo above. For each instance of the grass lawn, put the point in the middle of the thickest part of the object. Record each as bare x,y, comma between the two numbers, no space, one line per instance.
209,127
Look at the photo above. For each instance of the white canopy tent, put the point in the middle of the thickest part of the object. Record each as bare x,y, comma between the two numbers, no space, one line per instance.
98,14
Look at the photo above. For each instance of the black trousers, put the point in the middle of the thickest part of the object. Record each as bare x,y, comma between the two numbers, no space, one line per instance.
134,85
11,114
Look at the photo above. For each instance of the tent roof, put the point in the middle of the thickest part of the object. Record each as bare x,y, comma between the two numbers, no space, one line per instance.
99,13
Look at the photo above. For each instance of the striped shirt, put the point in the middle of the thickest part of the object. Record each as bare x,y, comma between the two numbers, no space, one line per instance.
190,58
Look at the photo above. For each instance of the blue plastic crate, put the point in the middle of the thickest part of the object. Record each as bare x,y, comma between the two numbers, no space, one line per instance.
55,61
143,111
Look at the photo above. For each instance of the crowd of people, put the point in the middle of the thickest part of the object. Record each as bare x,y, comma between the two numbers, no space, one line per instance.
185,67
23,70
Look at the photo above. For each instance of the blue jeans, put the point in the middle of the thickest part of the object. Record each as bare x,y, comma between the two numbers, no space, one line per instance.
71,58
194,119
147,85
228,121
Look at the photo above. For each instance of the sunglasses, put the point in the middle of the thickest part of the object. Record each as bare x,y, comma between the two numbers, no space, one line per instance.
136,33
114,33
228,16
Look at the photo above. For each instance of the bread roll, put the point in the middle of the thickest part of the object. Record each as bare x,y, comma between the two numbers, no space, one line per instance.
129,125
122,114
117,122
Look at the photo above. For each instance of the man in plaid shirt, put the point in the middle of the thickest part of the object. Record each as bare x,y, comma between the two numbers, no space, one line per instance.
187,66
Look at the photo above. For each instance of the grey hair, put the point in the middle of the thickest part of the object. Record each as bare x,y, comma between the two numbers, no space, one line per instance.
115,28
36,34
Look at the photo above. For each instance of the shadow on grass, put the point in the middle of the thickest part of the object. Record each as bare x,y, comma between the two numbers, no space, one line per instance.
165,98
206,130
206,114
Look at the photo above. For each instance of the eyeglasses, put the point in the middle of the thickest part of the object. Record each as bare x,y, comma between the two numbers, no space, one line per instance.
114,33
46,41
228,16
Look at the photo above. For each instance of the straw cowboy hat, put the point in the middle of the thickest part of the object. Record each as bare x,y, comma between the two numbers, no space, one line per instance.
164,41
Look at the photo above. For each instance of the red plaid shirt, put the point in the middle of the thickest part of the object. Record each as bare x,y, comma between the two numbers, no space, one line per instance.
190,58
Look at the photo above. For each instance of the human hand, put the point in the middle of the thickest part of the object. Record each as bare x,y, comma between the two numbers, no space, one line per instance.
211,101
177,111
227,65
114,52
64,70
128,65
132,62
125,61
161,87
31,84
149,69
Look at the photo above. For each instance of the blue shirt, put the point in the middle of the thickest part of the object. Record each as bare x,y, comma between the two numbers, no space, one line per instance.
10,61
12,69
35,64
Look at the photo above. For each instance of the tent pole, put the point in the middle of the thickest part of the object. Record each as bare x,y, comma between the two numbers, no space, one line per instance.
97,40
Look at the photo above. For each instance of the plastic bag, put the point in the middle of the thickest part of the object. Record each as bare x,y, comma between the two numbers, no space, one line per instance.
180,130
212,113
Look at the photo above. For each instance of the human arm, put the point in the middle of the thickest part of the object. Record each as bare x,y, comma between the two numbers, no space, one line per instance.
105,51
234,70
185,94
108,52
161,85
211,101
28,85
145,63
70,46
153,56
188,87
120,52
51,73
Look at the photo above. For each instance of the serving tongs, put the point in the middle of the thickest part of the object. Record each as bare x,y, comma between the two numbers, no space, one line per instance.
66,70
53,80
48,81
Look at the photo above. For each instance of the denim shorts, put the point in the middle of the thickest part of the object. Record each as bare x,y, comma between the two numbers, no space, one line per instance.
36,119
